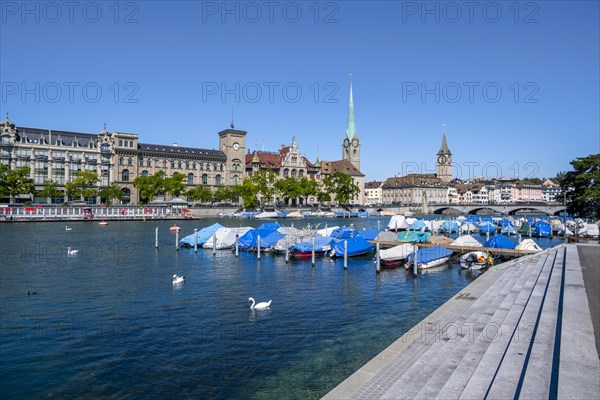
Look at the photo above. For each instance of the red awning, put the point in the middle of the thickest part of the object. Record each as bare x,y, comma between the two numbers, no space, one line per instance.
30,209
186,211
148,211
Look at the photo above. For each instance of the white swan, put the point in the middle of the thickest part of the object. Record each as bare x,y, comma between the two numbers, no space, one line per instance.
259,306
71,252
67,228
178,279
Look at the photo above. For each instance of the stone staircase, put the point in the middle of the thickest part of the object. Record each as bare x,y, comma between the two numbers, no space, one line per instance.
503,336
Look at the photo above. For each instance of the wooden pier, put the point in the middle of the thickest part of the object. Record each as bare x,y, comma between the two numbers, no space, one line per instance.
521,330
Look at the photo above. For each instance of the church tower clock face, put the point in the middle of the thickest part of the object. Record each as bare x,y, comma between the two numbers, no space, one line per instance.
442,159
346,142
355,142
236,146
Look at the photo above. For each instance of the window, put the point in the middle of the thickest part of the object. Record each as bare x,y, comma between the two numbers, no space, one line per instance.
218,180
194,166
235,179
141,162
221,167
126,144
214,167
190,179
121,161
293,173
105,147
148,163
187,165
179,165
172,164
201,166
204,179
165,164
125,175
301,173
131,143
120,143
130,161
286,173
144,173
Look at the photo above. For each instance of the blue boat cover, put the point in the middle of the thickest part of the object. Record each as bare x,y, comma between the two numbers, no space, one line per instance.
417,225
542,229
356,246
411,236
270,240
270,225
499,242
504,222
508,230
429,254
487,227
203,235
344,233
368,234
249,239
320,242
449,226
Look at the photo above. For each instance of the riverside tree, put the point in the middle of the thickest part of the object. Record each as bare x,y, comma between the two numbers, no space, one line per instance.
150,186
112,191
582,186
51,190
201,193
15,182
83,185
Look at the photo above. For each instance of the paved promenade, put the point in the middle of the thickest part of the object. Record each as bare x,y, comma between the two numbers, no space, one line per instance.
521,330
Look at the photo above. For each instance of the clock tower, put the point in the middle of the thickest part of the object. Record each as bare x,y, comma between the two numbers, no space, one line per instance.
444,162
351,144
232,142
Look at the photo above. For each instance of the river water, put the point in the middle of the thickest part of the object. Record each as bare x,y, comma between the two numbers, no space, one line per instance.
108,322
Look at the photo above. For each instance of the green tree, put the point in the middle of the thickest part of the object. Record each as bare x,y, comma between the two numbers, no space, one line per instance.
201,193
289,188
112,191
342,186
150,186
84,184
308,187
50,190
14,182
264,182
582,186
248,191
174,185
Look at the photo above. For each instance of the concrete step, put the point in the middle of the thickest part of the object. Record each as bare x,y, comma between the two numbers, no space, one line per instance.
490,333
538,374
509,314
514,360
448,334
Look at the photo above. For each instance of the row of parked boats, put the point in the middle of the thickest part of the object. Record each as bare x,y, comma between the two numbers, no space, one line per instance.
348,242
509,226
296,214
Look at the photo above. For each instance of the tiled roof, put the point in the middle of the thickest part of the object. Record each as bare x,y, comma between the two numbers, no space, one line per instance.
373,185
179,150
343,166
66,138
413,180
267,160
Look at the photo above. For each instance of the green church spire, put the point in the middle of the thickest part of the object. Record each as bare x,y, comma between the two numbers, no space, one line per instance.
351,128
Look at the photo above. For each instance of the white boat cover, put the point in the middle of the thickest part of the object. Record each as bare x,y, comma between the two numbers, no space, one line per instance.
225,237
467,227
528,244
327,231
397,252
466,240
589,230
398,222
266,214
294,214
387,236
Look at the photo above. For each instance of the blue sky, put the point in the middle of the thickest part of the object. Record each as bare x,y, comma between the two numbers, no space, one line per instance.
516,84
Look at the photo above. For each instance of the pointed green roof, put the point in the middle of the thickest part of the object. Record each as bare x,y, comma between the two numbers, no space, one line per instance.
444,149
351,128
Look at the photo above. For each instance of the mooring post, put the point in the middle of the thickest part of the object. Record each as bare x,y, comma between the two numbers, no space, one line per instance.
156,238
214,244
345,254
313,251
258,247
195,240
487,234
416,260
287,254
177,240
378,258
351,230
237,245
378,225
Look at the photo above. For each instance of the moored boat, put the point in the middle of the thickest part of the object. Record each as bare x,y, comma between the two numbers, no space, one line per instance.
475,260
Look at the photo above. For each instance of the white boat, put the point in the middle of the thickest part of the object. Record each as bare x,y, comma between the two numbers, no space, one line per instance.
475,260
429,257
466,241
225,237
529,245
397,223
396,255
266,215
